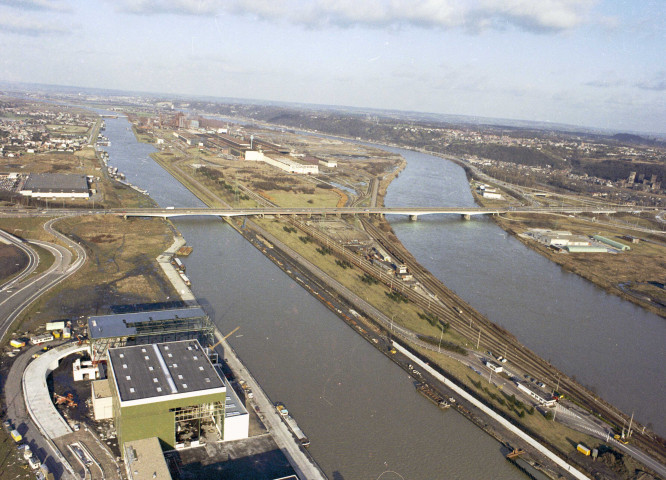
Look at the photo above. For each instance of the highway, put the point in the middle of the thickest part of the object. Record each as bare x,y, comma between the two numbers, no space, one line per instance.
15,297
13,301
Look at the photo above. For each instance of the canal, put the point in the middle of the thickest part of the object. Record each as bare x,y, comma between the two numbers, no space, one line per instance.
360,411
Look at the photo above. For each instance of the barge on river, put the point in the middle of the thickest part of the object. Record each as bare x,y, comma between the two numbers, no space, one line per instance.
425,390
291,424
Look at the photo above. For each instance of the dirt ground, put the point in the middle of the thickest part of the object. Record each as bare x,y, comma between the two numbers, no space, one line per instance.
121,268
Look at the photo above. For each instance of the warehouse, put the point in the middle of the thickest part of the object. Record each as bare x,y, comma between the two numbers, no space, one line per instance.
134,328
166,390
55,185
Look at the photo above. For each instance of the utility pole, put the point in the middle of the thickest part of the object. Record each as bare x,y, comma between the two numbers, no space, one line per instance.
478,342
441,334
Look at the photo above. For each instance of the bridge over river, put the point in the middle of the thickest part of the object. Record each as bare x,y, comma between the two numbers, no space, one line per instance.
412,212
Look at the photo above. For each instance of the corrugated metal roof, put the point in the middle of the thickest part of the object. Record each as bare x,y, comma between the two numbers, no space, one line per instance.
123,324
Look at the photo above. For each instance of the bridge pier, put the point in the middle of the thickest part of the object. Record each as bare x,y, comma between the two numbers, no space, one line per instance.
413,218
466,216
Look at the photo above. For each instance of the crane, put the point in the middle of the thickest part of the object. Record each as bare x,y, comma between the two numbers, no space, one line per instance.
225,337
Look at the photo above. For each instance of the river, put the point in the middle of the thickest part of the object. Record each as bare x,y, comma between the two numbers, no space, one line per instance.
361,411
610,345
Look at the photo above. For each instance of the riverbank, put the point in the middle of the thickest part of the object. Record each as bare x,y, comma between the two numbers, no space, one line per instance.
606,271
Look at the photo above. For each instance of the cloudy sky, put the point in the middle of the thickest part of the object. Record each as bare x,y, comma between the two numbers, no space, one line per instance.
599,63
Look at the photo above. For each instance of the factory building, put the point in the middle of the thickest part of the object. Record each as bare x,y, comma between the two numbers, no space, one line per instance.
283,162
134,328
168,390
55,185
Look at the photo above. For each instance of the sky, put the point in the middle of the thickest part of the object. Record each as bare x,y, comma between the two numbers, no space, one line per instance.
594,63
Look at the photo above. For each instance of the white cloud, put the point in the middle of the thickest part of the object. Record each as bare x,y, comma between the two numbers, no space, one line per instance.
22,25
542,16
657,83
55,5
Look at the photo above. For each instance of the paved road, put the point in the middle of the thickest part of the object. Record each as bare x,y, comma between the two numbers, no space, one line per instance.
596,428
33,262
14,300
12,304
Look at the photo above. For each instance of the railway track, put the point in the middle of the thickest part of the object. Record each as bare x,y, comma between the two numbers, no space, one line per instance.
494,338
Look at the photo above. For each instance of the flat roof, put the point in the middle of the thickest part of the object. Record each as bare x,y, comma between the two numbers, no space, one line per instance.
101,388
157,370
145,460
50,182
124,324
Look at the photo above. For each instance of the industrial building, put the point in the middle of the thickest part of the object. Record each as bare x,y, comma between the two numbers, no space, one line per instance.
617,245
541,397
168,390
55,185
283,163
134,328
558,238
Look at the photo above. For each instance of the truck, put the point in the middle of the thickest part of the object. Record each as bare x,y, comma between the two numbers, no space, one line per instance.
17,343
16,435
66,332
583,449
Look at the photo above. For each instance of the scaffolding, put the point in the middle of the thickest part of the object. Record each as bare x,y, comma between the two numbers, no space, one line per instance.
140,328
196,413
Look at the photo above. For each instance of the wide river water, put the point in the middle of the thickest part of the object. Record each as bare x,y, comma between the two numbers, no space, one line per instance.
361,412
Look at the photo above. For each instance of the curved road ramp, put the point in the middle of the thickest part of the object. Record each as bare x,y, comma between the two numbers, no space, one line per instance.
97,461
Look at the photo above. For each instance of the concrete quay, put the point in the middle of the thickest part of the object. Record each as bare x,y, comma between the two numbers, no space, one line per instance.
164,261
300,461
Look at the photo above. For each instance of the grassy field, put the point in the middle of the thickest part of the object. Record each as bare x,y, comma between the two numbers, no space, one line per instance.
405,314
68,129
321,198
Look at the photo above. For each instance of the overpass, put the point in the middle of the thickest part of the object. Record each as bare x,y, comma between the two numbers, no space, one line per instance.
412,212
